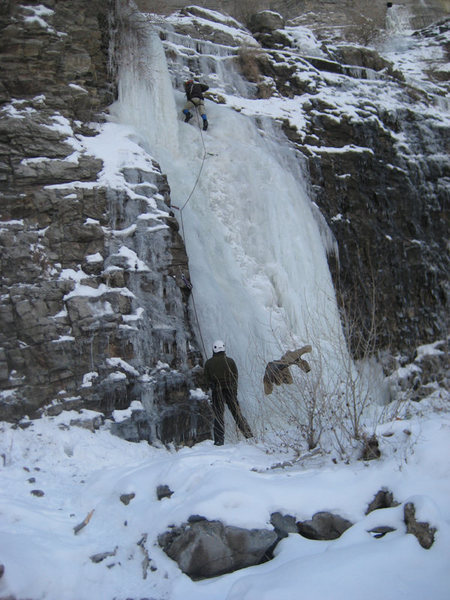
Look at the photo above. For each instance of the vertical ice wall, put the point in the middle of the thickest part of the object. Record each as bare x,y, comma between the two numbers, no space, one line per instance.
257,260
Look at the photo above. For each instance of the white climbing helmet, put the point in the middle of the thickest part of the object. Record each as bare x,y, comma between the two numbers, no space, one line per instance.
218,346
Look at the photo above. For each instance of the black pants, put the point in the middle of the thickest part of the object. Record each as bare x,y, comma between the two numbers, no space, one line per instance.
220,397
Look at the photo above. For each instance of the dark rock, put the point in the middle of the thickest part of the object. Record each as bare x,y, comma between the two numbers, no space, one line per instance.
382,499
283,524
274,39
422,530
208,548
326,65
92,424
38,493
96,558
127,498
265,21
163,491
323,526
362,57
180,419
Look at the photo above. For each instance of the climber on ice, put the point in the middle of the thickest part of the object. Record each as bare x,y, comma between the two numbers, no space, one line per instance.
195,99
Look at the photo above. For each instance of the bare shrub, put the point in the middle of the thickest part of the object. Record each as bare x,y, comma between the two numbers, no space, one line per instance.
340,403
248,60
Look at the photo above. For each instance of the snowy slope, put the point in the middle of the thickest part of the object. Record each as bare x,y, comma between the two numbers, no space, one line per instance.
78,471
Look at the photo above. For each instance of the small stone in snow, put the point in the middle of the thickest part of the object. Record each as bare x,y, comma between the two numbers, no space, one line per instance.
126,498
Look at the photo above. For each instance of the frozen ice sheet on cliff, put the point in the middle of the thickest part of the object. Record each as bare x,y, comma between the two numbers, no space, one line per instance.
304,40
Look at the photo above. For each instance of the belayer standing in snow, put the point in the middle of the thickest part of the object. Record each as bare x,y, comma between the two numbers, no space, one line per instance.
222,375
195,99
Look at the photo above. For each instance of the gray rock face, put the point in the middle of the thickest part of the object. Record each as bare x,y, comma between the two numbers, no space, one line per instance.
379,198
208,548
93,297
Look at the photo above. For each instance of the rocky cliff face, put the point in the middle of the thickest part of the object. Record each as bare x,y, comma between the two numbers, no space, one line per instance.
83,259
333,18
378,169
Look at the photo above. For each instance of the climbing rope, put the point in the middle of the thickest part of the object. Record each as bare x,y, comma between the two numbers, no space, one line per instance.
182,224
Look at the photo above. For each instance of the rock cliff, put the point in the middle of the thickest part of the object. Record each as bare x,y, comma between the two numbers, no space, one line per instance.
83,259
378,170
340,18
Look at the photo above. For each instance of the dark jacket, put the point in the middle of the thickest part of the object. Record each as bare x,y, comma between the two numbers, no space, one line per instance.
195,90
221,370
277,371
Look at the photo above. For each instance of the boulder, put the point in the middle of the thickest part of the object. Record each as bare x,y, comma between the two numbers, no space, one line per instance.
265,22
283,524
127,498
163,491
323,526
359,56
274,39
209,548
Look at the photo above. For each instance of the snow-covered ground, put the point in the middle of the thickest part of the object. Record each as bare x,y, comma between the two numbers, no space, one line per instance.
55,474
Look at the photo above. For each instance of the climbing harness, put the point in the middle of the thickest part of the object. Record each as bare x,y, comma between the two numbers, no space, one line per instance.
186,282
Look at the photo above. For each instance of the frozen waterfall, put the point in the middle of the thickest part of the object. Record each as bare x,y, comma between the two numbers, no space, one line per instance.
257,256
